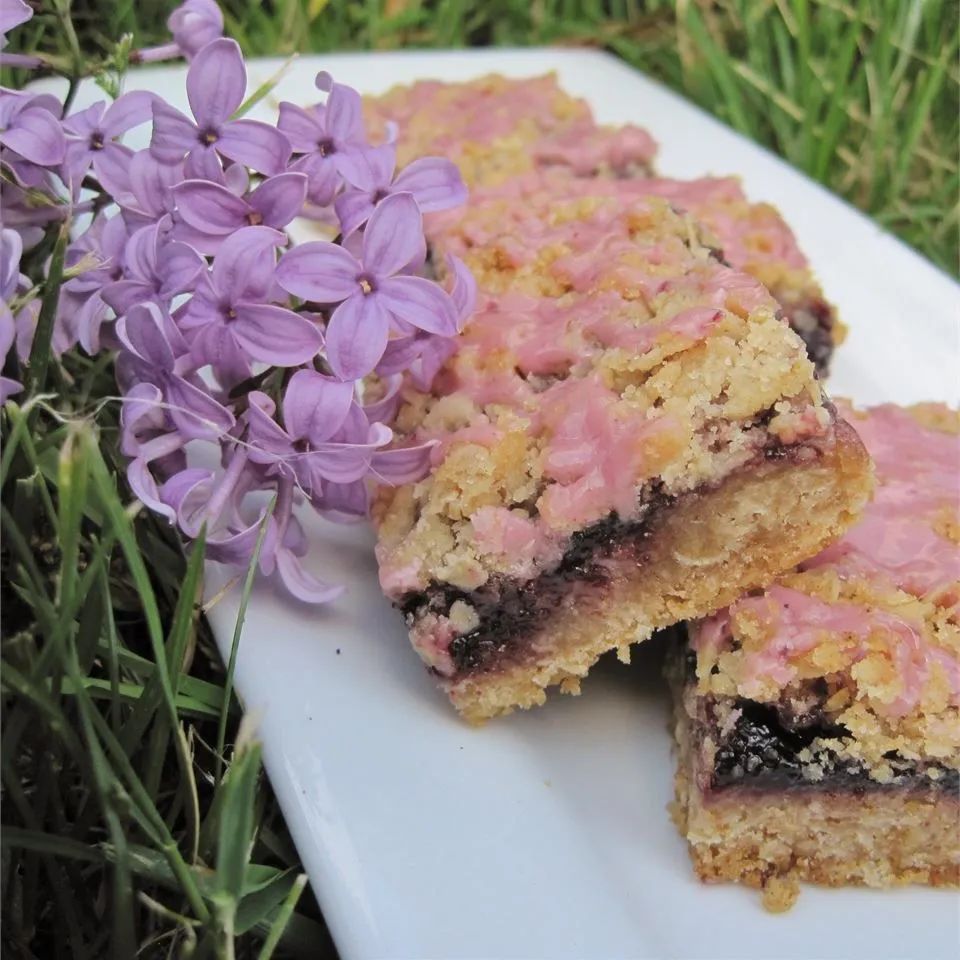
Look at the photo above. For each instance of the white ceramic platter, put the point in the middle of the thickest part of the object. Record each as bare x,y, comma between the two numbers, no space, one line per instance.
546,834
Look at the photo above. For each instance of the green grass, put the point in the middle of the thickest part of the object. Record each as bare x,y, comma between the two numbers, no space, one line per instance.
863,95
135,815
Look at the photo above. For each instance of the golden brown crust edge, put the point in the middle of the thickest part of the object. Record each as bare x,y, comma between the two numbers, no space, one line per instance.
708,550
772,842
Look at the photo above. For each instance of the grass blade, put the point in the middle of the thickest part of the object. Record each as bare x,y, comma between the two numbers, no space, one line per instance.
282,918
237,631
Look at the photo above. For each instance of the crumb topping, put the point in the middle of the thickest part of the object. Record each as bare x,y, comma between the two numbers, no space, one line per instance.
610,350
874,619
494,128
520,135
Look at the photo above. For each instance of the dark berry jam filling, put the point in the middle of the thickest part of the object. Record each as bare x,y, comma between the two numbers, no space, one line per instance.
771,747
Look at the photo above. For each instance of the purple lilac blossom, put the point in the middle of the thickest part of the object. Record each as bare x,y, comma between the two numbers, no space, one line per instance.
155,269
150,439
326,136
8,386
194,24
92,139
14,13
233,528
11,248
30,211
434,182
369,292
147,194
182,254
211,212
22,324
102,248
216,83
158,358
30,127
231,319
316,409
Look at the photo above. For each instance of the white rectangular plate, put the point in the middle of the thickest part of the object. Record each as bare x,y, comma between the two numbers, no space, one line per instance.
546,834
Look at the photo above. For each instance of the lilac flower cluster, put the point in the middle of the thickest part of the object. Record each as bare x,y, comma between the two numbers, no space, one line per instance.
227,335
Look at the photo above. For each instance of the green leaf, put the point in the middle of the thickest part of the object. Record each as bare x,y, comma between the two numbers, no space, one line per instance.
53,844
235,839
100,689
259,904
72,483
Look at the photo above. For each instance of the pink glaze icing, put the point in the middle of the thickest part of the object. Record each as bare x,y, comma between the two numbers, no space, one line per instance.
584,152
800,622
595,452
506,533
482,433
498,530
616,288
484,112
396,580
747,232
918,481
893,546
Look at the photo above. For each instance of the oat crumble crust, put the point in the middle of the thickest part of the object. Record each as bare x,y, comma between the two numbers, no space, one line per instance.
860,646
504,132
663,369
495,128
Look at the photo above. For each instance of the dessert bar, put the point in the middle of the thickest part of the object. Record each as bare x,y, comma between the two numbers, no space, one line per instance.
495,128
817,721
527,135
627,436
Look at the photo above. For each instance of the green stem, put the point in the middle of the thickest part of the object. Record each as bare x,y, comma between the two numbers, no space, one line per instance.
72,88
36,374
76,55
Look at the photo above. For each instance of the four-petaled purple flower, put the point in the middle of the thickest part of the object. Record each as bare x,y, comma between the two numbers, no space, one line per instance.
435,183
216,83
155,269
371,294
156,354
326,135
92,139
325,436
212,212
102,249
30,127
194,24
147,194
231,319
